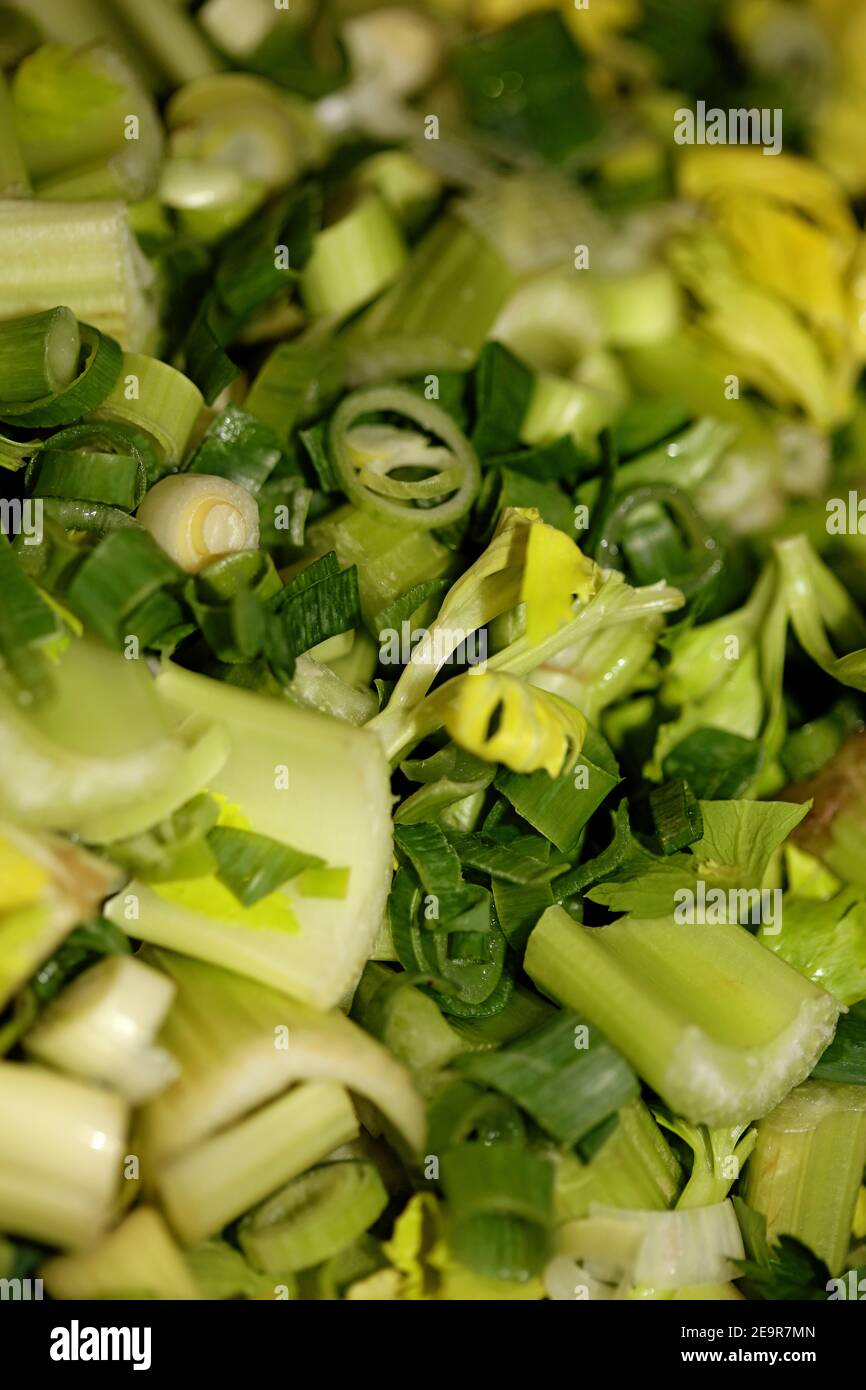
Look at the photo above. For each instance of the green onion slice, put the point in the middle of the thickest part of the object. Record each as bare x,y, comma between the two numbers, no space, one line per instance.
101,357
314,1216
366,456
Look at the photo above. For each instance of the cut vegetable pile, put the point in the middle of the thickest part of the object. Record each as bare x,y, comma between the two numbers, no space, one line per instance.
432,651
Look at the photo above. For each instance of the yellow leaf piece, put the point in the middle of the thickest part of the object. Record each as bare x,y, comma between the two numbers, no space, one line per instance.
22,878
501,719
787,254
556,573
206,895
773,349
704,171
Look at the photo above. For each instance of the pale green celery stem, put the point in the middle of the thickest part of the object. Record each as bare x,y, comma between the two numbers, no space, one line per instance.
101,275
807,1166
14,179
61,1145
171,38
443,304
704,1013
635,1168
209,1185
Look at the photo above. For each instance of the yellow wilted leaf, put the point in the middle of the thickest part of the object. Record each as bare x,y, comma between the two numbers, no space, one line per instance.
22,878
703,171
556,572
773,349
789,255
501,719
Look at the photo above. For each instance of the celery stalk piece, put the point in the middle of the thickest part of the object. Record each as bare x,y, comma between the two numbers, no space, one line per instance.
240,1044
634,1167
72,115
102,754
170,37
47,887
804,1174
391,556
102,275
102,1028
317,784
209,1185
705,1014
61,1144
139,1259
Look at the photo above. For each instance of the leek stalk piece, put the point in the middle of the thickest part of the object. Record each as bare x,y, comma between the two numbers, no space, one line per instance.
103,769
282,761
197,517
212,1183
61,1146
155,398
38,355
102,275
87,126
353,260
704,1014
804,1174
140,1259
102,1028
240,1044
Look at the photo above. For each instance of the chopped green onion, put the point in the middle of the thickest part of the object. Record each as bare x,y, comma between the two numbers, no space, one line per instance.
632,1167
563,1073
72,114
296,383
196,517
123,571
550,110
112,479
503,389
269,253
153,397
676,816
101,361
253,866
38,355
239,447
313,1217
170,37
363,482
388,556
500,1200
